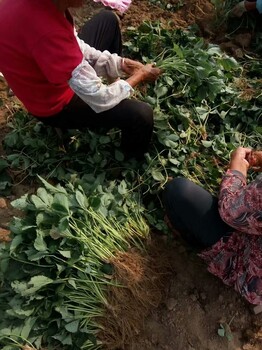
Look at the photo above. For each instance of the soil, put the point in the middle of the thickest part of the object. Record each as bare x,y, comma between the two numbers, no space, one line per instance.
194,303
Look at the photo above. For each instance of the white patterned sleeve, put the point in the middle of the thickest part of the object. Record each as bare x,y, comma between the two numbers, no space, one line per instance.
89,87
104,63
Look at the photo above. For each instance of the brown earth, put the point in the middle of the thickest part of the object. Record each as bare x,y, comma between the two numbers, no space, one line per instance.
193,303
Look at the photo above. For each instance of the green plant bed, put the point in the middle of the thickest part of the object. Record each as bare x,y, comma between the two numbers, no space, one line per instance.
205,105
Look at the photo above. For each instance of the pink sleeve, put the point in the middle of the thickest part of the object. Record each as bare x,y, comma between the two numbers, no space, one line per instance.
120,5
240,205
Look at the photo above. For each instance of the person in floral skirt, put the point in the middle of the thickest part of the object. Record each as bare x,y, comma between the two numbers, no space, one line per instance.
227,229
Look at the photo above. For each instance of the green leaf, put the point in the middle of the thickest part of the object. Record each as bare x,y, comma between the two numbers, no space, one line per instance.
81,199
65,253
214,50
151,100
202,112
178,51
169,81
37,256
20,203
157,175
18,311
63,225
65,339
44,220
104,139
229,63
72,283
16,241
28,324
51,188
29,288
4,262
122,187
60,202
221,331
39,242
161,91
72,327
3,164
44,196
207,144
38,203
119,156
6,332
94,202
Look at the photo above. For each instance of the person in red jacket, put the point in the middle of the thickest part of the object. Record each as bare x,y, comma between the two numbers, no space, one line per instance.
227,229
70,81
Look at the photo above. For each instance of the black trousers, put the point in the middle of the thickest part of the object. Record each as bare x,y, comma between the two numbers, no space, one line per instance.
193,212
134,118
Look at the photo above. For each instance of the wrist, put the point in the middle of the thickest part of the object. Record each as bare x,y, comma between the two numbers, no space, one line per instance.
140,75
238,168
237,173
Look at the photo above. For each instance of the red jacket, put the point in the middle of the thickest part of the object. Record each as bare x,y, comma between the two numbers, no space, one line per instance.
39,51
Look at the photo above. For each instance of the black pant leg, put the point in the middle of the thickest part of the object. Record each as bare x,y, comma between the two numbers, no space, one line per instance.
102,32
193,212
134,118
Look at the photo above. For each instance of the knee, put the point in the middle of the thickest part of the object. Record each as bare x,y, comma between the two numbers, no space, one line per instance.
109,17
143,113
176,191
147,114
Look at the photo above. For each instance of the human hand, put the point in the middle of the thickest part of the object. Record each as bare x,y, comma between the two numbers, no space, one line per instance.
239,9
149,72
239,160
130,66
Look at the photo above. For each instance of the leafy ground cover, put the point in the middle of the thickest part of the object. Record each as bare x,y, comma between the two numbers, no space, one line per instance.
72,243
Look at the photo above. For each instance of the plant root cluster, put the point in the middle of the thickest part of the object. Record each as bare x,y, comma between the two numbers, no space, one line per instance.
144,277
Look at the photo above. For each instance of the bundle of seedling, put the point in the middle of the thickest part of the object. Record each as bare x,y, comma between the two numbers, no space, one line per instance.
74,261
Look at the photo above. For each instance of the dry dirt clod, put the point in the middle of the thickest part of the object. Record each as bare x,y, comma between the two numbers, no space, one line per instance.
4,235
3,203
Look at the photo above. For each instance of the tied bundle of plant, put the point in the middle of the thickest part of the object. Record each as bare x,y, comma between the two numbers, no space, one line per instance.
65,264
